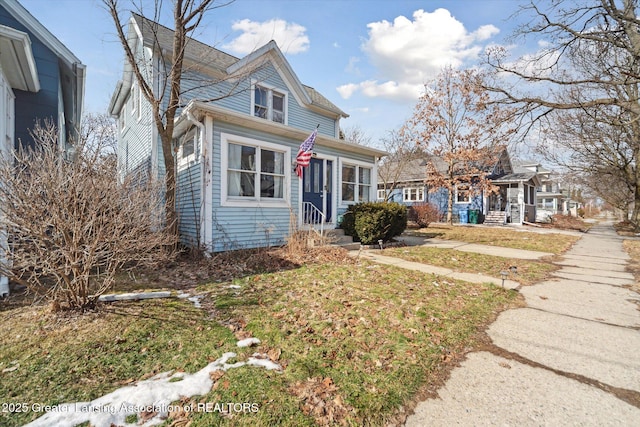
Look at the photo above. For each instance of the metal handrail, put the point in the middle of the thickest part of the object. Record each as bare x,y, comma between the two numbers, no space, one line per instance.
311,215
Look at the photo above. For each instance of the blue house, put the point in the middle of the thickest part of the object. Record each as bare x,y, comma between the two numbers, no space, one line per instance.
512,200
236,140
40,79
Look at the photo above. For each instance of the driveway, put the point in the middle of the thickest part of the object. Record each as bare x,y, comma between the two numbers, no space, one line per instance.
571,357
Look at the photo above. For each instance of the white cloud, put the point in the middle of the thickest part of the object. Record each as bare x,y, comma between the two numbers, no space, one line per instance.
352,66
347,90
409,52
289,36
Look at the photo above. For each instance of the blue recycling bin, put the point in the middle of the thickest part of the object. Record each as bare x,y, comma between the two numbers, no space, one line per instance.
464,216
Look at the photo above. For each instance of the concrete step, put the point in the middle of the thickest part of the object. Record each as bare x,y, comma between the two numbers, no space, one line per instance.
494,218
336,232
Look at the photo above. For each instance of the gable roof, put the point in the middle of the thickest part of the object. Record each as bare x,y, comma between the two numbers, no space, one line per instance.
224,65
497,164
413,170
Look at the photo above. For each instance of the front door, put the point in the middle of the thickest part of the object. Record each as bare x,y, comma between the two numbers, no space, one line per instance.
313,192
317,191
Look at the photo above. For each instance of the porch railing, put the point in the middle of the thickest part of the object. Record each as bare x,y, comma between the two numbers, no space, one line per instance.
312,216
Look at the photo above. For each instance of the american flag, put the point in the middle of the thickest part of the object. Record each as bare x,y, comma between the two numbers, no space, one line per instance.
304,153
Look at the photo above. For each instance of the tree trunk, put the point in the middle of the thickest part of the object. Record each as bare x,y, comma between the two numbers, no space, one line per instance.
450,207
171,216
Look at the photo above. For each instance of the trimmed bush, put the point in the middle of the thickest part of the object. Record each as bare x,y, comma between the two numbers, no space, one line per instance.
373,221
425,213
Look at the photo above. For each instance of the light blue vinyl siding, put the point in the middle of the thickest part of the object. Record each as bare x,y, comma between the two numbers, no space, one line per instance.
259,226
249,227
236,96
188,204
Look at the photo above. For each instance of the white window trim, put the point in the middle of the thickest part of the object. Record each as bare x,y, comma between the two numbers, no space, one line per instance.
257,201
123,116
455,200
133,98
139,102
185,162
270,89
382,194
406,193
356,195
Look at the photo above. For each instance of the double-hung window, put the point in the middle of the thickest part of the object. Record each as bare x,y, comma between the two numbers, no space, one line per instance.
463,194
356,183
253,171
269,103
413,194
187,149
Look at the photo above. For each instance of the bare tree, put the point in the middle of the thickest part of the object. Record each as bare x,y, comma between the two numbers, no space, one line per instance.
596,151
590,67
455,121
356,135
187,16
401,161
71,227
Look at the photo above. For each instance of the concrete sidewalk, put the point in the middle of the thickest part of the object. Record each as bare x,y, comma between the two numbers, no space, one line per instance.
569,358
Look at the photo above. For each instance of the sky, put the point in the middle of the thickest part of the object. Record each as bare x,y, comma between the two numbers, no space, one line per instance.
369,57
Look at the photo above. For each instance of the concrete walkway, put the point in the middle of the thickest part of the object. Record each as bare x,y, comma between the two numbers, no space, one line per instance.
376,256
473,247
571,357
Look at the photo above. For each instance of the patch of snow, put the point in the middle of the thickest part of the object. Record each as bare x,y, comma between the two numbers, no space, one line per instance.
233,287
152,395
248,342
196,300
264,363
133,296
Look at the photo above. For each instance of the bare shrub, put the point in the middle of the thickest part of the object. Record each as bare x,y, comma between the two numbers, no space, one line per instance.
71,225
425,213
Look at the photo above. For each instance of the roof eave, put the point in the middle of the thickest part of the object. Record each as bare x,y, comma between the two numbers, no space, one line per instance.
195,107
17,60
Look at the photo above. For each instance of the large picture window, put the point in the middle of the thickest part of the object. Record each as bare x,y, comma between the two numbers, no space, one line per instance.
269,104
356,183
254,170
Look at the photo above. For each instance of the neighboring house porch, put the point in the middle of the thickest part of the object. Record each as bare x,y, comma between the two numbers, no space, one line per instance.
515,200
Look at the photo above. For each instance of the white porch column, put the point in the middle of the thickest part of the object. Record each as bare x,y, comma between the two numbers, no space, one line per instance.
206,194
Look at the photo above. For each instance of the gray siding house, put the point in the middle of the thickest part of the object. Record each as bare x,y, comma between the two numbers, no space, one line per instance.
236,140
40,79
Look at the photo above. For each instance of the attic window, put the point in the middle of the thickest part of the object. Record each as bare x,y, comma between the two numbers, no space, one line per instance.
269,104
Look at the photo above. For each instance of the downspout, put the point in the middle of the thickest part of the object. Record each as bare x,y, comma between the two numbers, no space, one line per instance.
203,175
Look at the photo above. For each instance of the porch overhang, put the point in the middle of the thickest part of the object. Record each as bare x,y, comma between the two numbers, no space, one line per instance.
517,178
198,109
